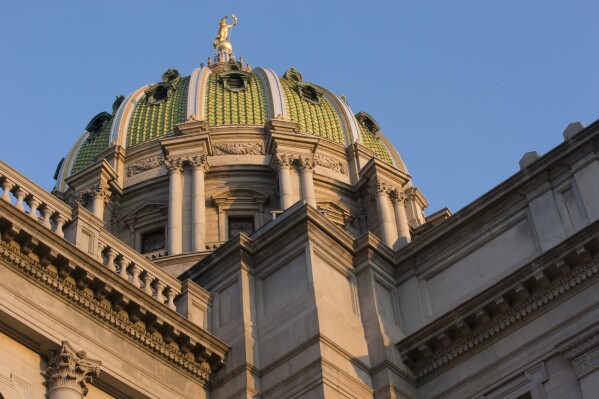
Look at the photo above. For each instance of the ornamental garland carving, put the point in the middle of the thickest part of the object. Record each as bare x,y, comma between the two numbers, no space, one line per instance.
238,149
148,164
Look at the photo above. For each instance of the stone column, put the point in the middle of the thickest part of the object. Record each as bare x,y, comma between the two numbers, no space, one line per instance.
401,219
100,195
307,175
199,165
380,191
175,206
283,164
69,372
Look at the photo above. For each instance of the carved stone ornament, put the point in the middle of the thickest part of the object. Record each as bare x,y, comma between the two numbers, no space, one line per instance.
283,160
174,164
378,186
398,196
583,353
82,197
70,369
306,162
198,161
141,166
329,163
238,149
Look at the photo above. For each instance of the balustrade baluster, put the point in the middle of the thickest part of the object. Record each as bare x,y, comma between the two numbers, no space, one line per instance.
60,221
20,194
110,256
148,283
47,214
34,203
171,294
123,263
7,185
135,272
159,286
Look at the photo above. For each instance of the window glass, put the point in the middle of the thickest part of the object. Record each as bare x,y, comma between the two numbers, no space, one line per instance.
238,224
153,241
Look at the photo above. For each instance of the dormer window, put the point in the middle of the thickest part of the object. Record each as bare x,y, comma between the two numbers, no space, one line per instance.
368,122
235,80
309,92
97,124
162,91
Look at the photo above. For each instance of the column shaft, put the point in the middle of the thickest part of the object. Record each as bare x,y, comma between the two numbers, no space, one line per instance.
401,220
385,223
285,192
175,212
308,186
198,211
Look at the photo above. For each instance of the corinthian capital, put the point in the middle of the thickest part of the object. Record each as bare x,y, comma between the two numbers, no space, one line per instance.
306,162
174,164
398,196
199,162
100,190
70,369
378,186
283,160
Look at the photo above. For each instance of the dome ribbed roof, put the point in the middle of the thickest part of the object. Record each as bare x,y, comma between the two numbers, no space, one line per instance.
153,111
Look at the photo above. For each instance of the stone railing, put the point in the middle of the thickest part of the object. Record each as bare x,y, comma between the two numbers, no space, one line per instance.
54,214
138,270
33,200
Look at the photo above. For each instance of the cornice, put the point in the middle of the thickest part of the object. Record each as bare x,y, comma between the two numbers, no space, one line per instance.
197,353
509,303
515,186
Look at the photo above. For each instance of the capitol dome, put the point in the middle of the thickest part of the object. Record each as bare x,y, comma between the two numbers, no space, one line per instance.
242,125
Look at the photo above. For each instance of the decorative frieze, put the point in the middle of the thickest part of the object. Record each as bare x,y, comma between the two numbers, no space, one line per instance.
238,149
329,163
142,166
70,369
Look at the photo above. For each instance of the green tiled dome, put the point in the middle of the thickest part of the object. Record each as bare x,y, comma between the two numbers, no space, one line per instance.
319,119
243,107
90,148
149,121
371,141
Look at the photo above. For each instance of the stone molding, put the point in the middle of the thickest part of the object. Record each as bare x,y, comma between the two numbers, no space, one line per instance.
329,163
238,149
190,355
583,352
428,352
70,369
135,168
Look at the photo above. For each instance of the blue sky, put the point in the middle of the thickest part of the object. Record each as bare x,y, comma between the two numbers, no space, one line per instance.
462,89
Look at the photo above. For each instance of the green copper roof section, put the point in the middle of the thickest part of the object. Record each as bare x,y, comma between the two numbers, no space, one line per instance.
149,121
371,141
226,107
318,119
90,148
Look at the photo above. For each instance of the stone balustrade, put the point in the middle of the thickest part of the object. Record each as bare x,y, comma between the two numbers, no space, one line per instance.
137,270
34,200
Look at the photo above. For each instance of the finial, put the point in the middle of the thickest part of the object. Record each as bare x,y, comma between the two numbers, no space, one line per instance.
223,34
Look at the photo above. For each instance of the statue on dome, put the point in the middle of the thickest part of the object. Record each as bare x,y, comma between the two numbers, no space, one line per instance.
223,31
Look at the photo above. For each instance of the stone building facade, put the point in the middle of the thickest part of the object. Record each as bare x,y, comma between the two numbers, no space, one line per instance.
238,234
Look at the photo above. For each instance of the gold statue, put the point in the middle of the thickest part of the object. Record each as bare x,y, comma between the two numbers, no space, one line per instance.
223,31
